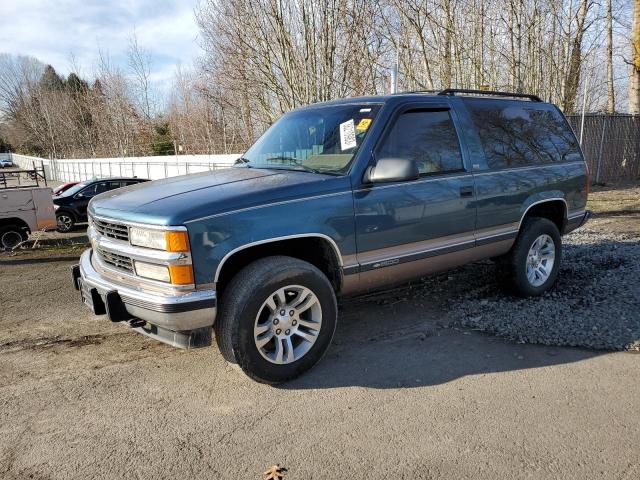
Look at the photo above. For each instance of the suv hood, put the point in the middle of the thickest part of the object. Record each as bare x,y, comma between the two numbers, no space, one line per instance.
179,200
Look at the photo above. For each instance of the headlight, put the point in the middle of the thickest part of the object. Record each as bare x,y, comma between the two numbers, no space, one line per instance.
55,207
175,274
170,241
147,238
154,272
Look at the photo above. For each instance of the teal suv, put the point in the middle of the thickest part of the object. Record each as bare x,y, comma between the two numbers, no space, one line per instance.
335,199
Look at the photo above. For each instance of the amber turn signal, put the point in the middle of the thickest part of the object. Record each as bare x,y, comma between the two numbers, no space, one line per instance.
181,274
177,241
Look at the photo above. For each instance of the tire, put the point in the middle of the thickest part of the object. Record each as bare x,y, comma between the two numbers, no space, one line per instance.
517,272
246,319
65,222
11,236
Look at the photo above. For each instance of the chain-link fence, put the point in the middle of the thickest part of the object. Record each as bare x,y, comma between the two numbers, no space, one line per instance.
611,145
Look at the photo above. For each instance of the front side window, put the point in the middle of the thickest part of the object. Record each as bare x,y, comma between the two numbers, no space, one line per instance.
95,189
515,134
427,137
323,139
71,191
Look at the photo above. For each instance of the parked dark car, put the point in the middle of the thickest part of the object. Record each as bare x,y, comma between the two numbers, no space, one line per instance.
71,205
334,199
62,188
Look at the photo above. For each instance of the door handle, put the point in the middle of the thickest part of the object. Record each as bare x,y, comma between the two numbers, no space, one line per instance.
466,191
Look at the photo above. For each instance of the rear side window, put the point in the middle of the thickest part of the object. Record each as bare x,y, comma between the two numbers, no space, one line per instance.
427,137
515,134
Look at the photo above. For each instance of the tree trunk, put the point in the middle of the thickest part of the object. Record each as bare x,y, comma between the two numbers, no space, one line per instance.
572,80
611,99
634,83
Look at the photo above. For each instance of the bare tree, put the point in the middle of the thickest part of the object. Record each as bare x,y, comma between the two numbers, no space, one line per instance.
264,57
634,83
140,65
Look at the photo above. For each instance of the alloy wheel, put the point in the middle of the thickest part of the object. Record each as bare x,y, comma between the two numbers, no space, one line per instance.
65,222
287,324
540,260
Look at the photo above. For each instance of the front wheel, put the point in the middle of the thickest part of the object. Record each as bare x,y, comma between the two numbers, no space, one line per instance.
277,318
531,267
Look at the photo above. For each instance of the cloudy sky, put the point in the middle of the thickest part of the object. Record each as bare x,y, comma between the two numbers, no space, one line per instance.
56,31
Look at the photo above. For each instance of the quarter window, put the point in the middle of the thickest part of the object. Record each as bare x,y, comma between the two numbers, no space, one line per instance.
513,134
427,137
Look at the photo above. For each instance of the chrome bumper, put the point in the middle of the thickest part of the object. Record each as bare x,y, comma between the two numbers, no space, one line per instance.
183,320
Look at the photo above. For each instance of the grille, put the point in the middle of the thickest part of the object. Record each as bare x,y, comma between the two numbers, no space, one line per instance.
111,230
115,260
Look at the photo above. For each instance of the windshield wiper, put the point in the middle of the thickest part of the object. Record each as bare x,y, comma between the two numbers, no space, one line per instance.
294,161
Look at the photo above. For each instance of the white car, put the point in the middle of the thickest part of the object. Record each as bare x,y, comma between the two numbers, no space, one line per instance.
4,163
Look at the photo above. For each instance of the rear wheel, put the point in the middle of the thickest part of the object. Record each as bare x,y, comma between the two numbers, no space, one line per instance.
531,266
277,318
65,222
11,236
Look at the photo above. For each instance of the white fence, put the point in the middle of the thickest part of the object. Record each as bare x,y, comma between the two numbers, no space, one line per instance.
154,168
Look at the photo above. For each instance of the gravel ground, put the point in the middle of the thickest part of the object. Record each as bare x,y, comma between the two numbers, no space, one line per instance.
595,303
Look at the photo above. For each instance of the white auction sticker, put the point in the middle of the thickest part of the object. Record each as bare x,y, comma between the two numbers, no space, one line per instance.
347,135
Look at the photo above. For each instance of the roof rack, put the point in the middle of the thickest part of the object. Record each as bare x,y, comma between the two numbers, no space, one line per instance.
490,93
403,92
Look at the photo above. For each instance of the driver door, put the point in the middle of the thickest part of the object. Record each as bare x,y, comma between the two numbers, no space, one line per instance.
406,229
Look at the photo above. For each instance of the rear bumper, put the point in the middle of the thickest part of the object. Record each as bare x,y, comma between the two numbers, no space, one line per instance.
182,320
577,221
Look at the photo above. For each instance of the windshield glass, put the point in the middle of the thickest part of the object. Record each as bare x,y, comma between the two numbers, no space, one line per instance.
323,139
75,189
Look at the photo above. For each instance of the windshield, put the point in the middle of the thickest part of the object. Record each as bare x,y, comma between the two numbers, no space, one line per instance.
323,139
75,189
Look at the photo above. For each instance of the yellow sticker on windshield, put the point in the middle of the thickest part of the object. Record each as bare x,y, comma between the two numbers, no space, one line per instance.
363,124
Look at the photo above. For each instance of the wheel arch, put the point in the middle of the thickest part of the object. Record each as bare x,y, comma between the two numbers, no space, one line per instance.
19,222
68,211
316,248
555,209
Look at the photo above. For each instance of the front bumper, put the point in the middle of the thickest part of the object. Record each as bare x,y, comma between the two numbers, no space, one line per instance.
183,320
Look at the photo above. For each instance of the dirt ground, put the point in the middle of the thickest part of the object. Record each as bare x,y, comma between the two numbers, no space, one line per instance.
402,393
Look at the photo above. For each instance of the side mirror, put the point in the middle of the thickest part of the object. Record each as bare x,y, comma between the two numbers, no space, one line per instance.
79,195
392,170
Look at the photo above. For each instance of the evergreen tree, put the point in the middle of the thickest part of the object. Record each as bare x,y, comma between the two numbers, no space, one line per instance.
50,79
76,85
162,143
4,146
